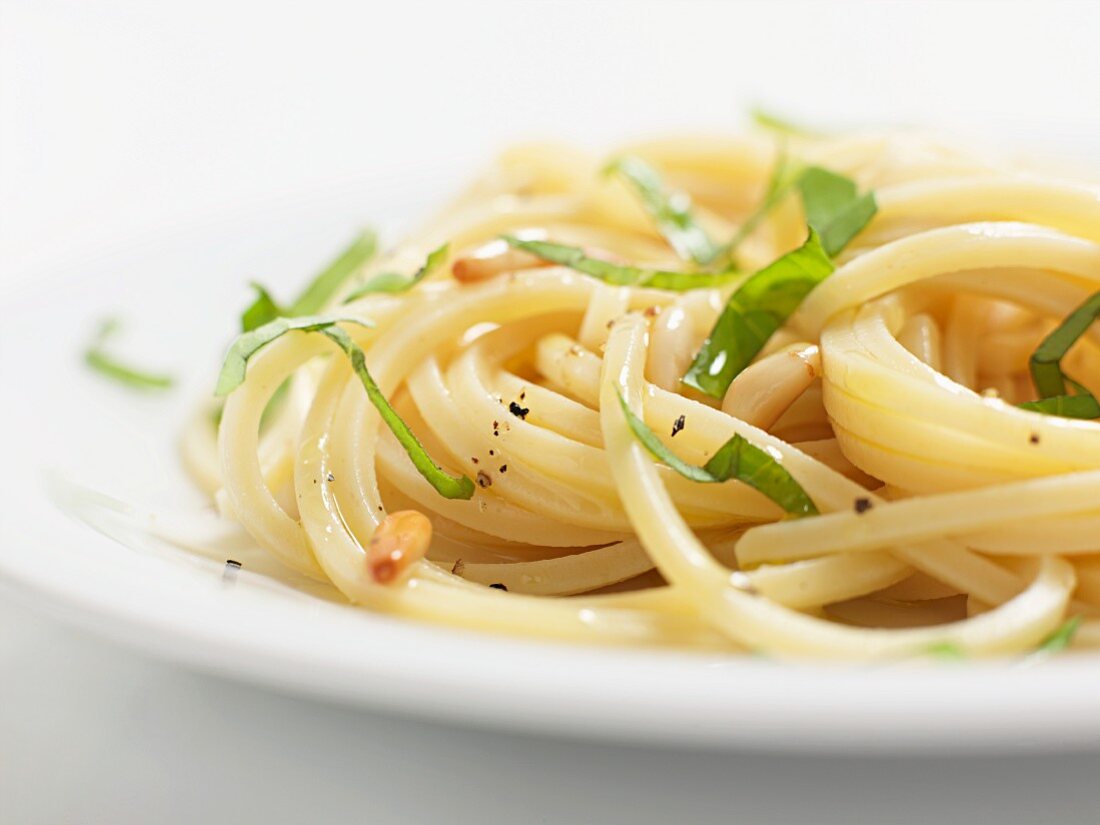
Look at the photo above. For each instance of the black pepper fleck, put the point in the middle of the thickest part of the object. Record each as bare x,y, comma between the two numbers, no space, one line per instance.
474,459
504,468
499,586
233,563
1034,438
862,505
678,425
331,478
518,411
484,479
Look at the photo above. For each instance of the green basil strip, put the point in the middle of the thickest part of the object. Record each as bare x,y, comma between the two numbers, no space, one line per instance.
619,274
945,650
274,405
393,282
1046,361
1062,637
318,292
249,343
832,203
1077,387
834,208
784,176
759,307
262,310
777,123
1067,406
670,210
763,303
736,459
107,365
265,309
445,484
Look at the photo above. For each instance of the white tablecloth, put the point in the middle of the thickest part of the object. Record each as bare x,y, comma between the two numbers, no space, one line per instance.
93,733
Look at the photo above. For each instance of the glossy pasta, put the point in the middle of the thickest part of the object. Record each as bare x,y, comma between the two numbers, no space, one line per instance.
950,518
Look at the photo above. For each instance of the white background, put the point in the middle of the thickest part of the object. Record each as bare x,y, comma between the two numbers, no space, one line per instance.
126,121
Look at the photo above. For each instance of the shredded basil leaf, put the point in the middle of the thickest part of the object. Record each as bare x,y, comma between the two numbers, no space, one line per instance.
1046,361
444,483
832,203
670,210
763,303
784,176
1046,368
1077,386
1062,637
777,123
833,207
1057,641
393,282
945,650
318,292
107,365
247,344
324,286
251,342
1067,406
265,309
619,274
275,404
262,310
736,459
759,307
662,453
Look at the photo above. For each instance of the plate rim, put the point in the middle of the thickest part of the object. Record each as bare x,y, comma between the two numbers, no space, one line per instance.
694,700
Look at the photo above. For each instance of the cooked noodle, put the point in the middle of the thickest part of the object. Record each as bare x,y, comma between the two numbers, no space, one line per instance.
948,515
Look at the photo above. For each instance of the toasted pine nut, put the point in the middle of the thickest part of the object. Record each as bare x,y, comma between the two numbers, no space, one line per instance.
761,393
400,541
675,335
492,259
672,345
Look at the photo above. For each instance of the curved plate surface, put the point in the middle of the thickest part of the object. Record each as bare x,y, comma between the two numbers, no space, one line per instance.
179,295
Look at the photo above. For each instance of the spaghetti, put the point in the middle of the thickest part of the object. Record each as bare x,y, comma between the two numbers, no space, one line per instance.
720,395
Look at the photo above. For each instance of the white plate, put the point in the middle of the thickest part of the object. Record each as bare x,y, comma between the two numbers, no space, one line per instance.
179,293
